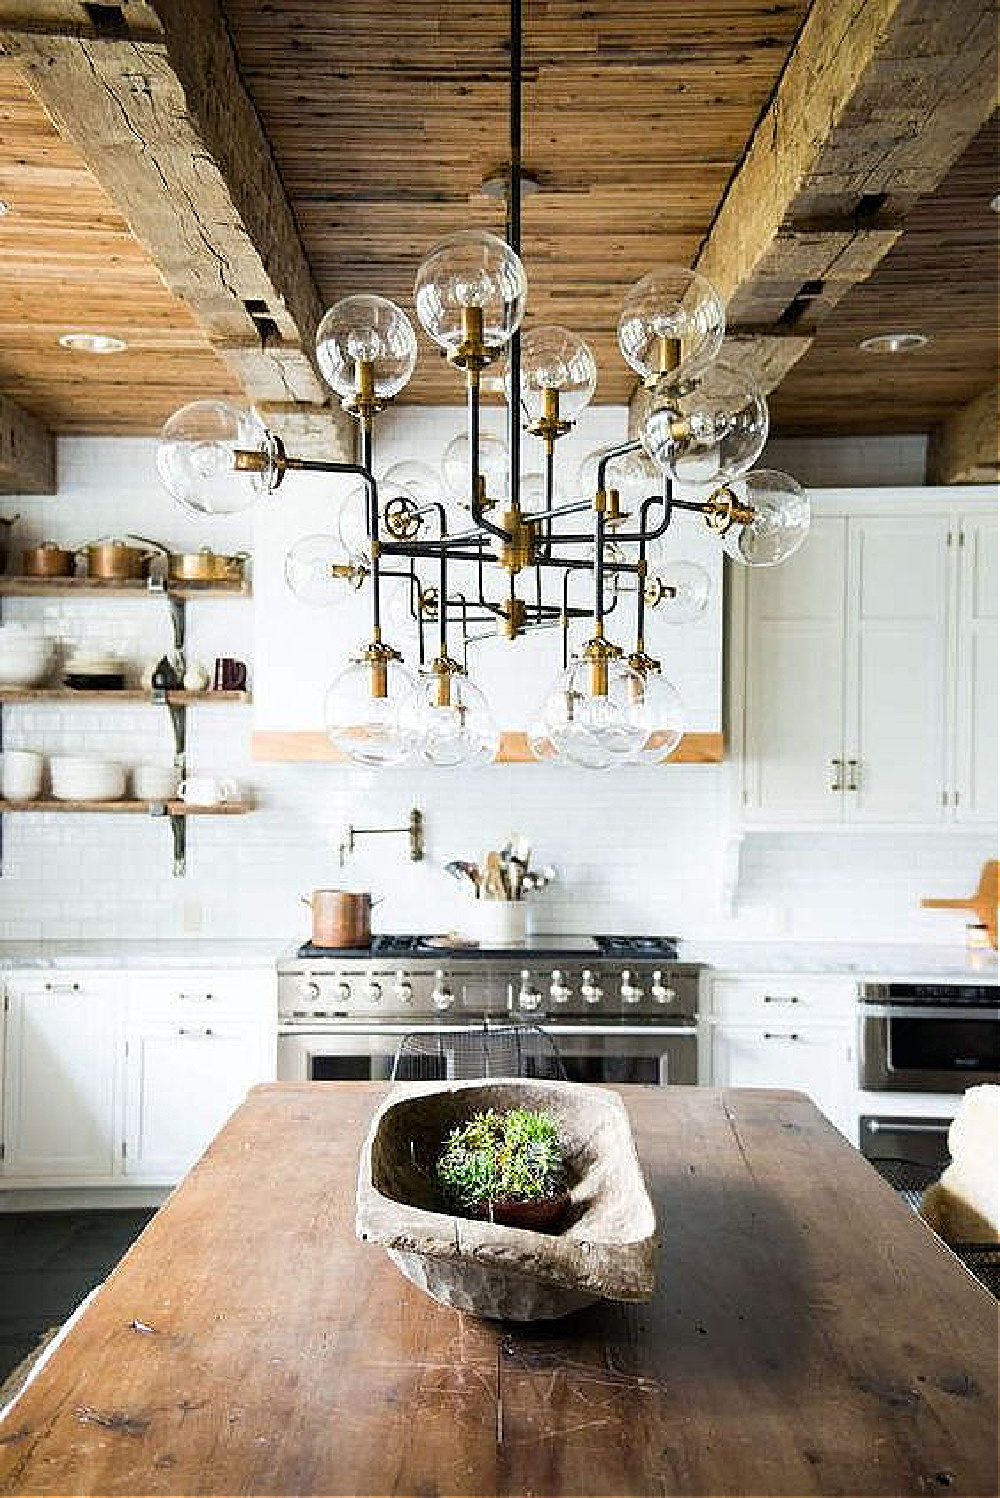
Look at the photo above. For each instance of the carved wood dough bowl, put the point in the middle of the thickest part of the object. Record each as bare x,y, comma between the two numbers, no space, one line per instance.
606,1250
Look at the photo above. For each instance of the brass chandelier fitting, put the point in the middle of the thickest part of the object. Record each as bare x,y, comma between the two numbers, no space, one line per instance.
702,427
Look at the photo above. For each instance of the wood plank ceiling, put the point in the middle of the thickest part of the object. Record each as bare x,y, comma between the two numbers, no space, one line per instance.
384,122
68,262
941,280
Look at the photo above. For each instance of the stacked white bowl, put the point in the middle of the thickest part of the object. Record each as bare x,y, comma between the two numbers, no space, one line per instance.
80,778
25,655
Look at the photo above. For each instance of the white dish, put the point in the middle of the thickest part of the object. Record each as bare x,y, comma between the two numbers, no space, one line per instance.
21,774
78,779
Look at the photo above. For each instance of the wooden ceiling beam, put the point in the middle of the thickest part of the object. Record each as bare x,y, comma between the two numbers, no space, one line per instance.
965,449
27,452
169,131
874,105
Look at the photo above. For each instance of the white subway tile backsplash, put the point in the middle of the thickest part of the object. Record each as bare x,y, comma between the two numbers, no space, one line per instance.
643,850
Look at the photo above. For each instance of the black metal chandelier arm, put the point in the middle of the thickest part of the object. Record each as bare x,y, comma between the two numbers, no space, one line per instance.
427,551
609,456
478,510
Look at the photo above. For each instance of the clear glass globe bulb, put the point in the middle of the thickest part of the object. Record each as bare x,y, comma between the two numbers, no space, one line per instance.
633,474
553,358
539,741
461,732
595,731
471,269
352,523
533,492
660,709
417,480
671,302
195,457
372,328
781,522
369,730
689,588
309,571
706,431
493,465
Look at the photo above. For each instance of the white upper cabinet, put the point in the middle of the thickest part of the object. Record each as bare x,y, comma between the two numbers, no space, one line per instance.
794,681
975,770
897,676
866,666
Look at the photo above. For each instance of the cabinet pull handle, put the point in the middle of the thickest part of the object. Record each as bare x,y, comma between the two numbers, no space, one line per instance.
836,775
196,998
852,774
781,1035
771,998
183,1030
62,988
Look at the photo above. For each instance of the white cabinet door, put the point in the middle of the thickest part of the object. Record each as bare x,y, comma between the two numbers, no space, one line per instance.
975,780
59,1077
816,1062
795,682
181,1084
897,621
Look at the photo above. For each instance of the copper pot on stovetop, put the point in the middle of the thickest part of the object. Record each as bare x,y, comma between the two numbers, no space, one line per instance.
341,918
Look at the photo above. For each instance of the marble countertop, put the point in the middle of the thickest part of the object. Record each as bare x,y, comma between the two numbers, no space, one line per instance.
881,961
165,953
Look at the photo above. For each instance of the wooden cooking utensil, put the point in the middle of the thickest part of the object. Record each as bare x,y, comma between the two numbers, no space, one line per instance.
983,902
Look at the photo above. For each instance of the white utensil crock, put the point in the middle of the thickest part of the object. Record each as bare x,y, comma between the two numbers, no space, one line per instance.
21,774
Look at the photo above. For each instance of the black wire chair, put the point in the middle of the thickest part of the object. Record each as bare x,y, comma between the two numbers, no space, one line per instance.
478,1051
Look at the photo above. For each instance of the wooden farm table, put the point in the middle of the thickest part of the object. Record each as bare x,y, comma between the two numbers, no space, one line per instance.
809,1335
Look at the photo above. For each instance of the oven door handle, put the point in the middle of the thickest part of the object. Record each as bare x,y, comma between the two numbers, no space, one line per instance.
904,1126
927,1011
656,1032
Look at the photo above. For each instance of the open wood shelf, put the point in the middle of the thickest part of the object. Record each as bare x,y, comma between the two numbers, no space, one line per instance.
171,808
116,694
25,587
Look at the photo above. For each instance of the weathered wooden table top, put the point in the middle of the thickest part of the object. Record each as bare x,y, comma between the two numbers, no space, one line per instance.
809,1335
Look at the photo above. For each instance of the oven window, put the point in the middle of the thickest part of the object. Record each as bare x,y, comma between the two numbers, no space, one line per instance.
341,1069
967,1046
610,1069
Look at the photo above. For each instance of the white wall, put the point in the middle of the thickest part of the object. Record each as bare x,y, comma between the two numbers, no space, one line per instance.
644,850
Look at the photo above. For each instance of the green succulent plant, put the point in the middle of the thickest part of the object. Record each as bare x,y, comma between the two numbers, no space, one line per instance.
514,1156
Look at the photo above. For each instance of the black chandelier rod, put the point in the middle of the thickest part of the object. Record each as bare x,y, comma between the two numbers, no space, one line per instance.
514,241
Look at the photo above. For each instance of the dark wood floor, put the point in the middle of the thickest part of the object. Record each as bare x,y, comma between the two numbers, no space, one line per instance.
48,1262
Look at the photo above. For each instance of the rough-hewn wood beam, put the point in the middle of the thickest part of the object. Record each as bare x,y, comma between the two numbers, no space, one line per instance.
311,431
877,100
27,452
170,132
965,449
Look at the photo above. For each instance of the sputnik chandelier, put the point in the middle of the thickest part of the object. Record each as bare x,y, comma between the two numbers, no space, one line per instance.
701,425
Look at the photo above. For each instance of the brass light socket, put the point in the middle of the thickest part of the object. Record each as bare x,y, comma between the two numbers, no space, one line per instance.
472,353
376,656
550,426
514,614
599,652
364,404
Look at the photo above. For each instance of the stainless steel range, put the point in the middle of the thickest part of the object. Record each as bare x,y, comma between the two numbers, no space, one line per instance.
619,1008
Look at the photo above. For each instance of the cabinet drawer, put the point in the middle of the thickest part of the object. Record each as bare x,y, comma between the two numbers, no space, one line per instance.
199,995
98,983
783,997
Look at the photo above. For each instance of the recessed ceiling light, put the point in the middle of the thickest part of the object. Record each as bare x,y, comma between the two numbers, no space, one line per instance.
495,185
4,207
995,203
893,343
92,343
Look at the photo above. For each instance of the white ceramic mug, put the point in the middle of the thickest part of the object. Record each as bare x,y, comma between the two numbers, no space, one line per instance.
208,790
155,782
21,774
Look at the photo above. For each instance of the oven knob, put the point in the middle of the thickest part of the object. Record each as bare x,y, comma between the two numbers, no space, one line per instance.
402,988
662,993
308,988
631,992
528,998
343,989
373,990
590,991
559,990
442,995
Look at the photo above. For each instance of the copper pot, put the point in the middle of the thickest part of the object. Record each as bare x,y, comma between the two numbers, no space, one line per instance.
115,559
205,566
48,560
340,918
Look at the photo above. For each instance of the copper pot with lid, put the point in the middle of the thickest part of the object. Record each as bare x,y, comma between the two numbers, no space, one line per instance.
48,560
205,566
113,559
340,918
